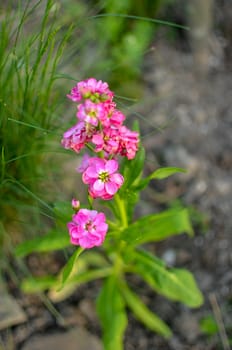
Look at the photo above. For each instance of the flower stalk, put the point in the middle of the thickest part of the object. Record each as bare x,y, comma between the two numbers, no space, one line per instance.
99,123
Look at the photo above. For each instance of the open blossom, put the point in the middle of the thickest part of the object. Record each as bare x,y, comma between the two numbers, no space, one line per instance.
92,89
129,141
116,141
91,113
87,228
107,140
102,177
112,116
76,137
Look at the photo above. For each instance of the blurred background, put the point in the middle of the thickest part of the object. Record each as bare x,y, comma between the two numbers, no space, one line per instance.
169,63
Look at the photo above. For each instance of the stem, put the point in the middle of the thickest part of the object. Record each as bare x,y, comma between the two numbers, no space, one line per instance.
122,210
118,265
90,200
112,225
219,320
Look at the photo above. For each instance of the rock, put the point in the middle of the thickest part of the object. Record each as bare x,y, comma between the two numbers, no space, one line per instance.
169,256
76,339
10,312
88,309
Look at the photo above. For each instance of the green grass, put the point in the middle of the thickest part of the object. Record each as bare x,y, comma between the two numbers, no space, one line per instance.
29,99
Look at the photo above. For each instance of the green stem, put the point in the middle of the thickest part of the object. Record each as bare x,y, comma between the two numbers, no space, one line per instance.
90,200
113,225
122,210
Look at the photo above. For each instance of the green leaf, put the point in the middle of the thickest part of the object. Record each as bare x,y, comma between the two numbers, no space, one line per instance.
69,266
175,284
90,275
38,284
63,211
157,227
159,174
76,279
208,325
163,173
148,318
112,314
132,169
93,258
53,240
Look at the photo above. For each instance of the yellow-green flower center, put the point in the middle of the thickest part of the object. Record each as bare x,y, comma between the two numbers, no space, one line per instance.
103,176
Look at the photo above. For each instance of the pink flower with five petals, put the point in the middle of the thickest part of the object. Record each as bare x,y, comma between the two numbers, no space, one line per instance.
102,178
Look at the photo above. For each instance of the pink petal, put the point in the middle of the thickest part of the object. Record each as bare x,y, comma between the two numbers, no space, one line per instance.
97,139
86,243
111,166
91,172
74,241
100,165
111,187
117,178
98,185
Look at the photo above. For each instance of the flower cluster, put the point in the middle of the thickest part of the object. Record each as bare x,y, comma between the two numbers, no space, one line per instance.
100,128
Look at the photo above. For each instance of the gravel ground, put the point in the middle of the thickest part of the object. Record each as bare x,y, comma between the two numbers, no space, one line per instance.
197,115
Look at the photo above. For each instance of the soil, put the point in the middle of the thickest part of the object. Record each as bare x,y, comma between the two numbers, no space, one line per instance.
195,117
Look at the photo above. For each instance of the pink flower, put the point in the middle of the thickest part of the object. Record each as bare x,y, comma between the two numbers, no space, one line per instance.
95,90
91,113
129,141
117,118
87,228
115,141
112,116
76,137
102,178
107,140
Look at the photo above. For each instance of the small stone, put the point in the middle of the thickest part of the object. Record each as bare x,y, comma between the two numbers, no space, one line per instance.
10,312
169,256
88,309
76,339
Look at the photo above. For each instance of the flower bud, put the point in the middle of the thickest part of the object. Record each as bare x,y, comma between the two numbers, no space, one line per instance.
75,205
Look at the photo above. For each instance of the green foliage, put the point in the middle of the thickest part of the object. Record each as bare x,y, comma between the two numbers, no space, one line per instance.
175,284
148,318
111,310
30,52
127,29
163,173
38,284
69,266
53,240
156,227
208,325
